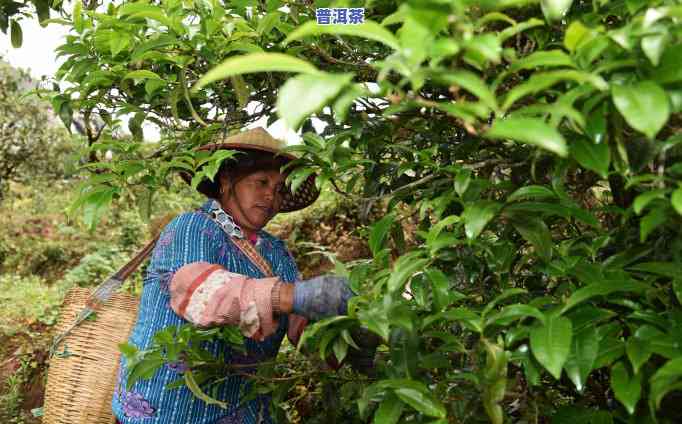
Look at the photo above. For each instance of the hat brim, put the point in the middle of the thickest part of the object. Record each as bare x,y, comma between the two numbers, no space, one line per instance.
305,195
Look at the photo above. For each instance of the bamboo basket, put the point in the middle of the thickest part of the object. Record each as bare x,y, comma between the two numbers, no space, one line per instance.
80,383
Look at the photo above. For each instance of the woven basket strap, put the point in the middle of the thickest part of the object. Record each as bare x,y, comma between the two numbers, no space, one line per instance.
134,263
247,248
226,224
104,291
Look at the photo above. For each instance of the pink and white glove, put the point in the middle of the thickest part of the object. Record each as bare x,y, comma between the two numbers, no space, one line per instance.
208,295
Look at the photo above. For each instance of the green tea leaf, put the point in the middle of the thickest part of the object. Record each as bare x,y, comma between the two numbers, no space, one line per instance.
576,33
535,231
584,350
16,35
638,352
132,11
375,320
551,343
610,349
588,316
255,62
511,313
596,124
340,348
472,83
389,411
305,94
531,131
626,388
602,288
677,288
655,218
555,9
95,204
548,58
369,30
298,176
413,36
654,45
467,317
532,192
595,157
670,68
466,111
268,22
311,330
128,350
645,198
78,16
462,181
422,402
506,294
436,229
483,48
145,369
345,100
378,233
517,28
155,43
142,74
404,268
644,106
676,200
118,41
542,81
196,390
665,379
443,294
531,368
477,215
66,114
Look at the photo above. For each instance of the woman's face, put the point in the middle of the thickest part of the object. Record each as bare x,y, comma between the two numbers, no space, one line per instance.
255,199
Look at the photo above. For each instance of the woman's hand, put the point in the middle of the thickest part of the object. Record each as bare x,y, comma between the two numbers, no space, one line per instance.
321,297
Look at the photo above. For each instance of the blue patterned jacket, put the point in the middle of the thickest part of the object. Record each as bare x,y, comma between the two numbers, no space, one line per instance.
193,237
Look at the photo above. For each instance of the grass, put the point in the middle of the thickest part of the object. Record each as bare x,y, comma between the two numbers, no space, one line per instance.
26,301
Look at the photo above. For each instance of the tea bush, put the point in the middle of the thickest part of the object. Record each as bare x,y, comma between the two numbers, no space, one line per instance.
31,142
537,143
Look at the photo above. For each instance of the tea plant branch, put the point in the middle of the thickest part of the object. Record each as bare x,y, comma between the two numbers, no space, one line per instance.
400,190
495,161
331,59
185,93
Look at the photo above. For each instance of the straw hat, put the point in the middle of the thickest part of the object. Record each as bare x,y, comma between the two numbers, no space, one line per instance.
260,140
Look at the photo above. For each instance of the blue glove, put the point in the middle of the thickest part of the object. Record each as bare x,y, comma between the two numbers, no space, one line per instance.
322,297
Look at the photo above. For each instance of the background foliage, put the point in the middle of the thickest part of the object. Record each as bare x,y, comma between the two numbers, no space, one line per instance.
535,144
29,135
13,12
